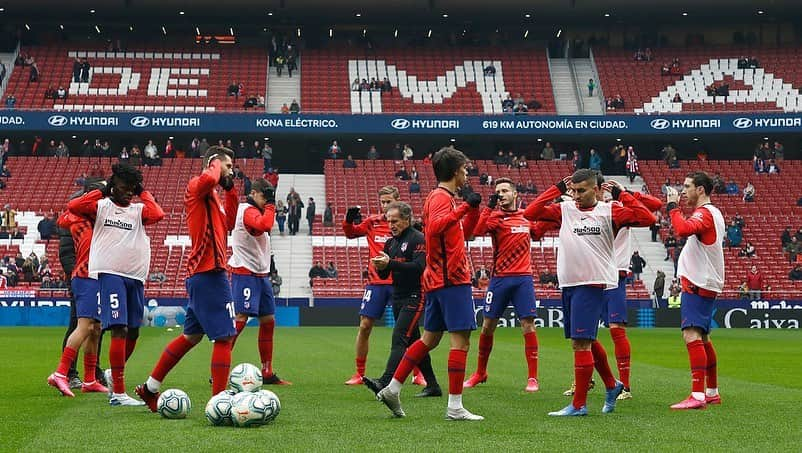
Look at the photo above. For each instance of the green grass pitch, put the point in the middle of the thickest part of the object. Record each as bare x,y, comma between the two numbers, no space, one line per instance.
759,377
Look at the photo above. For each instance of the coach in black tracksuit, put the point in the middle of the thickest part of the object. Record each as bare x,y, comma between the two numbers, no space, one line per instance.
405,257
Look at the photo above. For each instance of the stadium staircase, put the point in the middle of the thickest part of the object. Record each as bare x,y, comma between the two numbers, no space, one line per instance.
583,70
565,89
281,90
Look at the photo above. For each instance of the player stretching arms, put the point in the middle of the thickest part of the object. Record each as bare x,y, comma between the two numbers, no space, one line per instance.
119,258
512,281
250,269
585,268
85,293
701,270
211,308
378,292
447,283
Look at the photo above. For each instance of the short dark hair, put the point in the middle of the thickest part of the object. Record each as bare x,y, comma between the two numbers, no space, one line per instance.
404,209
701,179
215,152
504,180
584,174
260,184
126,173
446,162
599,179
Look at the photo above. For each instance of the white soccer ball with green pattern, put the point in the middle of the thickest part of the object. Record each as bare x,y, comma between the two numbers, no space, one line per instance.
247,409
272,404
245,378
218,409
173,403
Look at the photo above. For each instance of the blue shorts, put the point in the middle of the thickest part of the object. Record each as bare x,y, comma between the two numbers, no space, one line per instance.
253,296
615,304
696,311
517,291
86,292
450,309
122,301
582,308
375,299
211,308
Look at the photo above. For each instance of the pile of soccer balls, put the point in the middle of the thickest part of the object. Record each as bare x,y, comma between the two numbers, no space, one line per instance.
244,403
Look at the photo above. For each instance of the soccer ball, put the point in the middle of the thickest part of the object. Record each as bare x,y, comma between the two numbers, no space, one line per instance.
245,378
247,409
272,404
173,403
218,409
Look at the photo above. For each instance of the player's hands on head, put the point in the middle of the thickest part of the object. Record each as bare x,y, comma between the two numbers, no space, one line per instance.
138,189
672,195
614,187
227,182
105,188
473,199
563,184
352,214
270,195
492,202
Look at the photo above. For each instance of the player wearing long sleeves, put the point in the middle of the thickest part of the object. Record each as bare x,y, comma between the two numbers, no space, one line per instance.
119,258
210,310
446,281
404,256
585,268
250,270
512,282
701,272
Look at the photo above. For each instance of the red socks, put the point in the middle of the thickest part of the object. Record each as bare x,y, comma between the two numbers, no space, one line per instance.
240,325
360,365
221,364
698,359
485,346
67,357
622,353
711,373
266,346
457,358
171,355
530,350
412,357
583,371
130,344
117,361
602,365
90,362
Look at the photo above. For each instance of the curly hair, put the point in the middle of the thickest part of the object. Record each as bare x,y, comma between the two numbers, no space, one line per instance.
127,174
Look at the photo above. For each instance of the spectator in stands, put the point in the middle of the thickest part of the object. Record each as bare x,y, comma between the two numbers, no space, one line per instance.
743,63
349,162
747,251
294,207
334,150
739,220
798,235
267,156
402,174
743,290
355,85
124,155
364,85
11,102
664,188
237,173
618,102
61,93
633,169
295,107
732,188
250,102
718,184
328,215
281,216
676,67
677,98
234,88
522,162
413,173
753,63
500,159
471,167
407,152
754,281
85,68
8,218
796,273
372,153
279,62
519,99
520,109
481,278
5,172
76,70
483,179
670,156
50,92
507,104
793,248
386,85
531,187
310,213
331,270
734,235
636,264
670,244
414,186
136,156
157,276
317,271
46,228
169,149
773,168
490,70
34,75
591,86
548,279
665,69
374,84
152,157
595,161
779,152
291,64
785,237
749,192
659,288
534,105
576,160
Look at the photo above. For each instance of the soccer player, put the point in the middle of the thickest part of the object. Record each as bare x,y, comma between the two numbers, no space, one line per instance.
378,291
404,256
614,314
512,282
250,269
210,310
119,258
446,282
585,268
701,272
85,292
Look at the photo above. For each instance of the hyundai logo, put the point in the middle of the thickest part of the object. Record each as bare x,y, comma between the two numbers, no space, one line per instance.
742,123
400,123
57,120
140,121
660,123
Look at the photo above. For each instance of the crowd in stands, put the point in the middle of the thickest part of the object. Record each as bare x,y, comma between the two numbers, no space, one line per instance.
672,68
518,105
293,108
614,103
283,53
383,86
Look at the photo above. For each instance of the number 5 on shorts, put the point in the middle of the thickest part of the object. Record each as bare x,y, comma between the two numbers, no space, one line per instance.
114,301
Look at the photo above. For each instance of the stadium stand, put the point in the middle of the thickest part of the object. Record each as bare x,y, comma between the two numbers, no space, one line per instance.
171,79
425,80
773,86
